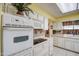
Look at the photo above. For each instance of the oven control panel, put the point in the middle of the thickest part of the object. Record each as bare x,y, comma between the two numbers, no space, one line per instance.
16,21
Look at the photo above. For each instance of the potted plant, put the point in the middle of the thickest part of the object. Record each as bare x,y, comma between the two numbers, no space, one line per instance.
22,8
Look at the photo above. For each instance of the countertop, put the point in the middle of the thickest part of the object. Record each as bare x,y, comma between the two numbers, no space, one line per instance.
66,36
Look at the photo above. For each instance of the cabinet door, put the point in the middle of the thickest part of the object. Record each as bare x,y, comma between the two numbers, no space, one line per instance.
58,52
76,46
55,26
58,26
55,41
41,18
37,50
37,25
41,49
61,42
69,44
45,23
33,15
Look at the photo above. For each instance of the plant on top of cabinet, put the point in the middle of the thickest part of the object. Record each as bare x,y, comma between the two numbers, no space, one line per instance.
22,8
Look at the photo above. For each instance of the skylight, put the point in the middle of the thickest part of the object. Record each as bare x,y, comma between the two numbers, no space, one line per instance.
67,7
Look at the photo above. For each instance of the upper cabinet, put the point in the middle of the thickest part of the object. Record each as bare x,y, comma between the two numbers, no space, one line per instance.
37,25
45,23
33,15
40,22
58,26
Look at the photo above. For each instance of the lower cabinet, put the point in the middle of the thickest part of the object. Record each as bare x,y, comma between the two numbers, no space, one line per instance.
76,46
27,52
58,52
41,49
69,44
61,42
55,41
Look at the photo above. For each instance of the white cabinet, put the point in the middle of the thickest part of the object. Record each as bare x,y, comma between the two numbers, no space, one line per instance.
27,52
76,46
55,41
45,23
41,49
40,22
33,15
69,44
58,41
61,42
58,26
37,25
40,18
58,52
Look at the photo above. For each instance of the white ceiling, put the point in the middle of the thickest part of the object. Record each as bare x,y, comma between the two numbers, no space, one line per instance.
53,9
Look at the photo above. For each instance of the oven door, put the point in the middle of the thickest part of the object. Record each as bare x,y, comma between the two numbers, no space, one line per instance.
16,39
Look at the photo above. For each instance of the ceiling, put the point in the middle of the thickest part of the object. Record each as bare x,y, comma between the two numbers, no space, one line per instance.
53,9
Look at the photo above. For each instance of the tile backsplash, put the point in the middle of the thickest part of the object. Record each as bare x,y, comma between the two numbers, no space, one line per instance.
38,33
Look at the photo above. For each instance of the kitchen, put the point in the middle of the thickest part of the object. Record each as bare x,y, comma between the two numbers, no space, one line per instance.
46,32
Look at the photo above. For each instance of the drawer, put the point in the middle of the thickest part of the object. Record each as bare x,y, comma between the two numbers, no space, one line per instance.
41,49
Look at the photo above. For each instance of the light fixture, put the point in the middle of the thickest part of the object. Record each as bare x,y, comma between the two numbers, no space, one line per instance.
67,7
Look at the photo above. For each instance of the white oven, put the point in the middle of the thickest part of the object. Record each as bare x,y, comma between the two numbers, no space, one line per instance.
16,37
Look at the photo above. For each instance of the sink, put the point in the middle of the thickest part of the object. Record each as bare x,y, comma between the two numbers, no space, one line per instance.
39,40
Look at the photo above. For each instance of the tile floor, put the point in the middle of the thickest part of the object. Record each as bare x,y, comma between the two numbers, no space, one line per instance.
61,52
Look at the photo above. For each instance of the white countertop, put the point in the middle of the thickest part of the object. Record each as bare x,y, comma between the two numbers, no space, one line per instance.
67,36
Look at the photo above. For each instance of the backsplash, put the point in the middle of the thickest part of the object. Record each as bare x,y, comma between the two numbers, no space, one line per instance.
38,33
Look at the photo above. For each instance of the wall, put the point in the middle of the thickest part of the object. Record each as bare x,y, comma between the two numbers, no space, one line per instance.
39,10
68,17
38,33
0,27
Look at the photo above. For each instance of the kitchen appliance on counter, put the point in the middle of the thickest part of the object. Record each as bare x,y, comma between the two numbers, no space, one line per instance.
17,34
